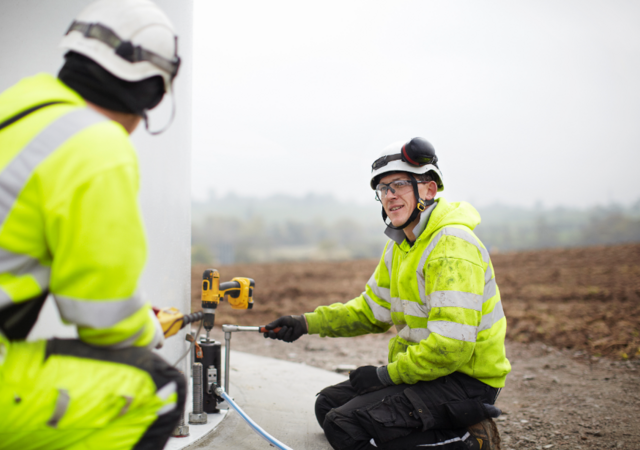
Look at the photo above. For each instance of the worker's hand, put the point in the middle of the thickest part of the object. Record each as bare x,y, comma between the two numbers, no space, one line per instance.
365,379
291,328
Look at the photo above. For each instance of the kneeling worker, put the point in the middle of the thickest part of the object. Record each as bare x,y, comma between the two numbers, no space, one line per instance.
71,226
436,284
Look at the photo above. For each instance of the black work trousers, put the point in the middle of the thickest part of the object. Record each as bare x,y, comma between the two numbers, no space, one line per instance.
433,414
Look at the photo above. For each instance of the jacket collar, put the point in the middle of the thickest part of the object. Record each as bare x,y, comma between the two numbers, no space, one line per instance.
398,235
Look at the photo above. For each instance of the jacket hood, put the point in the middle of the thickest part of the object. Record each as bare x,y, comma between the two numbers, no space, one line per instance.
455,213
35,90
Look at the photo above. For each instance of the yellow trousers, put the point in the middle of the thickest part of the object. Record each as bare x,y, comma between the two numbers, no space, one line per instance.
64,394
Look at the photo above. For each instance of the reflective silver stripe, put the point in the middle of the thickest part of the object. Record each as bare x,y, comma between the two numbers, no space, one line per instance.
14,262
420,271
492,318
380,313
388,257
414,334
439,299
488,274
62,404
5,300
165,391
448,441
466,236
383,293
489,290
423,260
97,313
41,275
453,330
15,175
19,265
448,231
409,308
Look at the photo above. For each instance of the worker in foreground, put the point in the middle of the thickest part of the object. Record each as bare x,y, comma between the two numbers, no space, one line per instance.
436,284
71,226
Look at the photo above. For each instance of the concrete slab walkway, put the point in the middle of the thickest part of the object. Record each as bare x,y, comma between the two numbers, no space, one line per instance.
279,396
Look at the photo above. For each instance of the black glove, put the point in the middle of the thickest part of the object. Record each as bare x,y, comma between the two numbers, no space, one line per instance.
365,379
292,327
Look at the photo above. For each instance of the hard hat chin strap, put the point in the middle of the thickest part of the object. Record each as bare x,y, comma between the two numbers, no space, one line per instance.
421,205
145,117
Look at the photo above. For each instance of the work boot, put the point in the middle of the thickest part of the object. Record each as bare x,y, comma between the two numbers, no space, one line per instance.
486,433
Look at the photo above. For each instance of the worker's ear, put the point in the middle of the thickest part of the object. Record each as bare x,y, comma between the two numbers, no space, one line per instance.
428,190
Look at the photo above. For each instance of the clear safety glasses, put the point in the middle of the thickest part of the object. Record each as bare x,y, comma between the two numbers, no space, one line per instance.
396,187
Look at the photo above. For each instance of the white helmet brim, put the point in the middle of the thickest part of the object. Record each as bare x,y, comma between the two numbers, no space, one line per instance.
402,166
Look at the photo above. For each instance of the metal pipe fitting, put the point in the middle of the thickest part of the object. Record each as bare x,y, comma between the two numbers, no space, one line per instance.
227,358
231,328
228,329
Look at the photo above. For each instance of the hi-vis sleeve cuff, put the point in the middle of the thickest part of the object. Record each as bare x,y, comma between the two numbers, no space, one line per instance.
138,330
313,325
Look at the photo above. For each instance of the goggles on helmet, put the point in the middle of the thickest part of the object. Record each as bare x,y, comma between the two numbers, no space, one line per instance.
125,49
417,152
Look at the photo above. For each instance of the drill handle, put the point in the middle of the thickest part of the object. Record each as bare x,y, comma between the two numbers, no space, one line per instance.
229,285
190,318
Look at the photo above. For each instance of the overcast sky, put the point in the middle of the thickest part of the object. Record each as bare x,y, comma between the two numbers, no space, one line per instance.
524,101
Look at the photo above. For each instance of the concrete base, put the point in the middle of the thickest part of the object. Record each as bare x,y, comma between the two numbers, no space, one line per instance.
278,395
196,432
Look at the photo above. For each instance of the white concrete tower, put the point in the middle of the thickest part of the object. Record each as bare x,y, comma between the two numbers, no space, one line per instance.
30,31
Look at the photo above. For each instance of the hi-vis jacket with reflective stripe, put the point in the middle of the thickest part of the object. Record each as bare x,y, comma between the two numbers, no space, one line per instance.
441,295
70,222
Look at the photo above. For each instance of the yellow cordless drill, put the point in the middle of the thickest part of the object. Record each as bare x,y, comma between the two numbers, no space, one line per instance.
238,291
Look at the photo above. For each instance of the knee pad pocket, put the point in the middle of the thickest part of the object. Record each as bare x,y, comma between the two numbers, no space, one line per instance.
466,412
393,417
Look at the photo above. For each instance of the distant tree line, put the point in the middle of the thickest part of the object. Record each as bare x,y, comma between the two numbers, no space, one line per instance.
228,240
239,231
561,227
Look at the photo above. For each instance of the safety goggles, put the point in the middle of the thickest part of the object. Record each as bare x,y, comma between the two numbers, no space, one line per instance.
396,187
125,49
417,152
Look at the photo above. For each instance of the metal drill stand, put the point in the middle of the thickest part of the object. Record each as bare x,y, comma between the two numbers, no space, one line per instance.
211,352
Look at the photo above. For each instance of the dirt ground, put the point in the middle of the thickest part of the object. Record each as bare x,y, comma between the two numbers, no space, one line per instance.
573,337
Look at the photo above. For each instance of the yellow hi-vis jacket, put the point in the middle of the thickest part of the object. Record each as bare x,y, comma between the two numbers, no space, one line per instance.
70,222
442,296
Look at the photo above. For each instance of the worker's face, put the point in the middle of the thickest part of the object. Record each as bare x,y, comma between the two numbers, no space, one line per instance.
400,205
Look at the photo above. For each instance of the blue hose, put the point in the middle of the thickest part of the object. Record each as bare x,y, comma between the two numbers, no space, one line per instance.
270,439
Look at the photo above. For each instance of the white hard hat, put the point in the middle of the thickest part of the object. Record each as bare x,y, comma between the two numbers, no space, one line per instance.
416,156
131,39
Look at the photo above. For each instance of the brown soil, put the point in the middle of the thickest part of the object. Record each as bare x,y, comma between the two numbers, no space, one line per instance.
573,337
